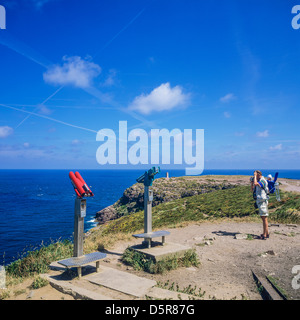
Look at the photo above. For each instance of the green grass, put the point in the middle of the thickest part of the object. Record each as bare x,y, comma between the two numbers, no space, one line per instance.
281,291
37,261
230,203
39,282
190,290
289,209
236,202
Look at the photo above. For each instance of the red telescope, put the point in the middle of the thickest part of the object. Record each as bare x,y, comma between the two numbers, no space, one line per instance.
80,186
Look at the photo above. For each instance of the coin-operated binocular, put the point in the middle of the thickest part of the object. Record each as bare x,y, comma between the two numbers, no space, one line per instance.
148,177
79,259
80,186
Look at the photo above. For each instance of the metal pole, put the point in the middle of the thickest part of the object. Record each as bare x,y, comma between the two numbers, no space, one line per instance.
148,198
277,193
148,210
80,213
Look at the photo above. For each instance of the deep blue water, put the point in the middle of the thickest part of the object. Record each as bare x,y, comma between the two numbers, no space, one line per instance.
38,205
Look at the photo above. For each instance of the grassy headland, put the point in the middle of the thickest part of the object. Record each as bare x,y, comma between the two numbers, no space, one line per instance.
164,190
227,201
235,202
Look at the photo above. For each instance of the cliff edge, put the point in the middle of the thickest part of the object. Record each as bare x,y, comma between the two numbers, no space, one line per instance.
165,190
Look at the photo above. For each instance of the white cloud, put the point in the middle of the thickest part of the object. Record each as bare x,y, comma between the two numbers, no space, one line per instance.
5,131
263,134
227,114
44,110
75,71
228,97
24,152
162,98
76,142
277,147
111,78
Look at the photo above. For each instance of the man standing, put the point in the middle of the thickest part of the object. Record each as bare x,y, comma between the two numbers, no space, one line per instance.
261,189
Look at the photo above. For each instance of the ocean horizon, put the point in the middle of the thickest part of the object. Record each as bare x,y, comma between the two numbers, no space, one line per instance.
37,205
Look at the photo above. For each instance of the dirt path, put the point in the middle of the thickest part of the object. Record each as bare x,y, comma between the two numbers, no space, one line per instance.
290,185
226,262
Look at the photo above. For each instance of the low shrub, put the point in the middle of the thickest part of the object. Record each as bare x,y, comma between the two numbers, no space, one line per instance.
139,261
37,261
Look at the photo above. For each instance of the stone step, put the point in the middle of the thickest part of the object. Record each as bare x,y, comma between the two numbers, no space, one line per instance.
78,292
122,281
111,284
268,291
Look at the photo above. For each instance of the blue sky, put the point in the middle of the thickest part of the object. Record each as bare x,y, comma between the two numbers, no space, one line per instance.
70,68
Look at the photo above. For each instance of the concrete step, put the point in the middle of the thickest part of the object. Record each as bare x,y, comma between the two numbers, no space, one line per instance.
159,252
122,281
110,284
78,292
268,291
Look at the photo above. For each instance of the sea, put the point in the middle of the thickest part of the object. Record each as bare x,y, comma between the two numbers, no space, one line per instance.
37,206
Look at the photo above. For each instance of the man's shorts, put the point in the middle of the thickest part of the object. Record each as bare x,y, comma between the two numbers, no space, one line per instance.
263,208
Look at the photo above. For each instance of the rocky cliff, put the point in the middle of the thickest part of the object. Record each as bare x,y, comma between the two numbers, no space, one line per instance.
165,190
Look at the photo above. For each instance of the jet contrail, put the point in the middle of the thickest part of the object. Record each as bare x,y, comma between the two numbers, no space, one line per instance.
16,45
52,95
58,121
48,118
117,34
23,49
